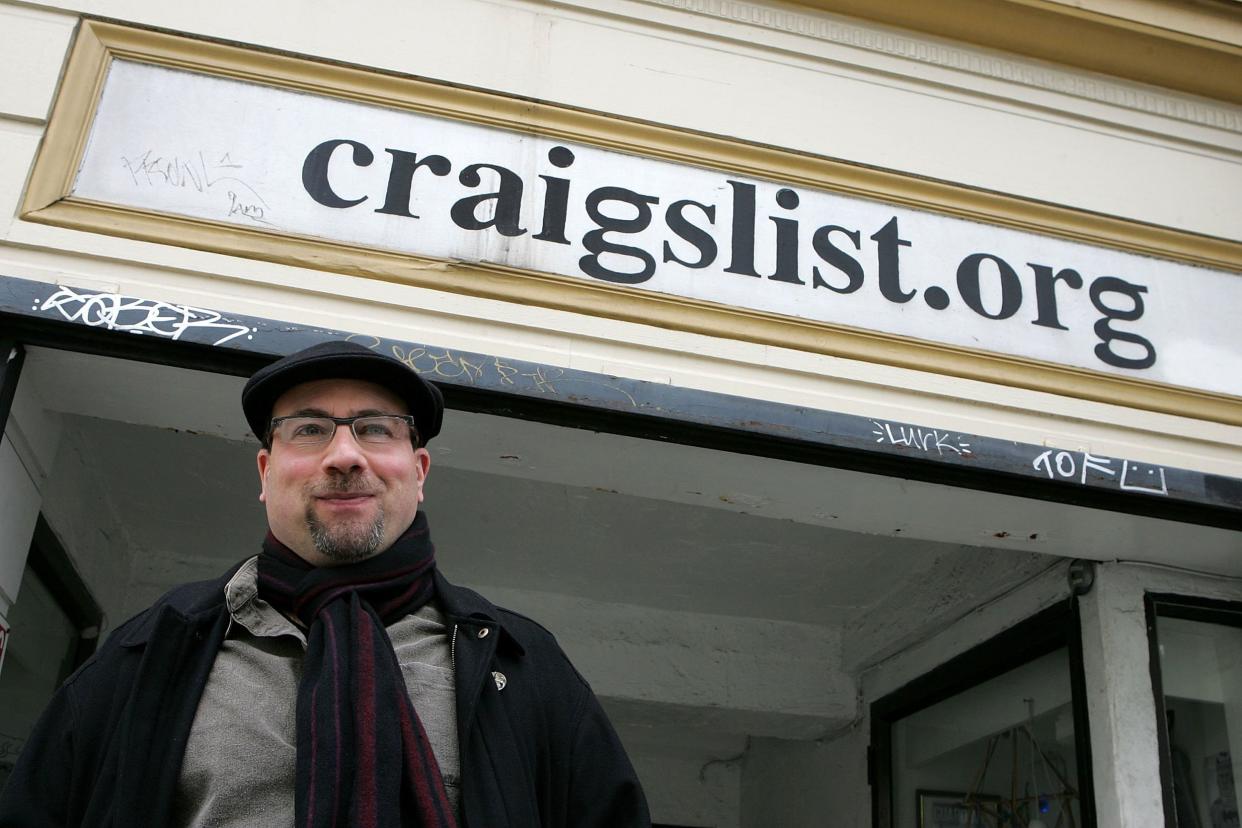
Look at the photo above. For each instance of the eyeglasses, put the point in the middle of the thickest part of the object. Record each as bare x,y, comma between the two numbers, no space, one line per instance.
372,429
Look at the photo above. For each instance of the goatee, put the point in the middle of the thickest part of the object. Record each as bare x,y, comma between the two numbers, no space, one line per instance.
345,542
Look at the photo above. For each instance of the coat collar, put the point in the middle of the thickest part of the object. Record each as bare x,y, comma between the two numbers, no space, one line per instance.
465,606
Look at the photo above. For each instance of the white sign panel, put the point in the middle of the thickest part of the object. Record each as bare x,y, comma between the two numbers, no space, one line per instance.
194,145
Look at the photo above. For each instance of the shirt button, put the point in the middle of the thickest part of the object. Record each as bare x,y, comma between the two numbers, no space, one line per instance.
483,631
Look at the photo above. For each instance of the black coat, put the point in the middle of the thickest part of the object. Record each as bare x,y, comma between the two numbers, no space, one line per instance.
107,752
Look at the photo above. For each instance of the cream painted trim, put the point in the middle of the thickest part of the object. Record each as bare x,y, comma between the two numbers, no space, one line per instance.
1010,68
48,201
1187,46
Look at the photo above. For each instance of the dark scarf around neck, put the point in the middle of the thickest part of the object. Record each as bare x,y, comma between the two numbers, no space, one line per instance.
363,757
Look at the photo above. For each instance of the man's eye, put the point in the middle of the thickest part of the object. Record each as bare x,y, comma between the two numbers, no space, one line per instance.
375,428
309,430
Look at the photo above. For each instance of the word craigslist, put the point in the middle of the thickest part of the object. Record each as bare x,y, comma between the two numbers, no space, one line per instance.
630,231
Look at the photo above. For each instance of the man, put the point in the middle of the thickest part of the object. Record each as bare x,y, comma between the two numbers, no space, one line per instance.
336,679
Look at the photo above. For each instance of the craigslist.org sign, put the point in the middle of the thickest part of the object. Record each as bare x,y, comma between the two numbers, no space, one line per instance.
286,162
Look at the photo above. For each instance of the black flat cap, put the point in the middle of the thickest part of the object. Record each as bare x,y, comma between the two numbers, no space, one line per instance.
341,360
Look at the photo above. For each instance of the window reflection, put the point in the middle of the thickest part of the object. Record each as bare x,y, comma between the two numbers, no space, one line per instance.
1201,678
999,753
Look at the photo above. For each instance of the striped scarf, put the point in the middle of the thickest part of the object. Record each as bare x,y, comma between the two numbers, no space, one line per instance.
363,757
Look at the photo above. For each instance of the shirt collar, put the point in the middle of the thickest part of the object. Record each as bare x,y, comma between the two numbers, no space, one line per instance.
241,598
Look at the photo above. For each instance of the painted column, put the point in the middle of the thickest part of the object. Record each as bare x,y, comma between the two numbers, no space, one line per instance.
1120,701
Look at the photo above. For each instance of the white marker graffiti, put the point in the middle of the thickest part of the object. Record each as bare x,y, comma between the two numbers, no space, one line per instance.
926,440
139,316
1135,477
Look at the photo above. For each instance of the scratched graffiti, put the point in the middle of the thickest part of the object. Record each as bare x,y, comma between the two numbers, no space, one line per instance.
926,440
447,364
139,316
1077,466
220,178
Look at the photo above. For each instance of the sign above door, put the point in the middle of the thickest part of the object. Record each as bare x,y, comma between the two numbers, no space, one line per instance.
188,143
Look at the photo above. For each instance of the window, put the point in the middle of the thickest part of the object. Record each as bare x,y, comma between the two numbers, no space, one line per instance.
1197,675
996,736
55,624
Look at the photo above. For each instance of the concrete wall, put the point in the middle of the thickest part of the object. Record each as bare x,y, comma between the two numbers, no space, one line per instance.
689,790
27,452
807,784
79,509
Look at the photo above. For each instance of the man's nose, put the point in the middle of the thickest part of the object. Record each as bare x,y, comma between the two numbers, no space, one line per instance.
343,452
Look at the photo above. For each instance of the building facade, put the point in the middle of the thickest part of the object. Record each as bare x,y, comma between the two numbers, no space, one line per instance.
855,392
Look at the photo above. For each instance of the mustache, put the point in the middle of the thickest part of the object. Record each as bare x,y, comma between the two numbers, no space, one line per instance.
341,484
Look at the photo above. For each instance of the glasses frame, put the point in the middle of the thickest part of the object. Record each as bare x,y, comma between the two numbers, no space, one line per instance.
337,422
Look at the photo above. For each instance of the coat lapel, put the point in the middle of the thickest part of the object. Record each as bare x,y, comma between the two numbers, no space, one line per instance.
155,726
498,789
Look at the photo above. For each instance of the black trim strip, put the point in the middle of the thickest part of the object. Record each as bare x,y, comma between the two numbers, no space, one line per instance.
1193,608
1162,726
38,313
1082,717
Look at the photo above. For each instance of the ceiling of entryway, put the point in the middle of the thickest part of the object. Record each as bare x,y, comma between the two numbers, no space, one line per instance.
540,508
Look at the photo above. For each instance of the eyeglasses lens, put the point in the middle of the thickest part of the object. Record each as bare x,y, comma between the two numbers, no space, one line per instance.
311,431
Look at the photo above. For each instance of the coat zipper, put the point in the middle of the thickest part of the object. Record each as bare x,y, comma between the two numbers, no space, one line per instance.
453,651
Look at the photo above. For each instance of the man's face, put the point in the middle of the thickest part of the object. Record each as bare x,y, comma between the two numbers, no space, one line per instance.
341,501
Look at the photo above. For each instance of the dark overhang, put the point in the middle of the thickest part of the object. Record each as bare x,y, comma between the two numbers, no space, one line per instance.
90,321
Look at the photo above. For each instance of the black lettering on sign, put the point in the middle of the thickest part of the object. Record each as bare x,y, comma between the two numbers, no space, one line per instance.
595,242
889,241
702,240
742,258
315,172
1046,293
1104,328
786,241
838,258
555,198
507,210
986,283
401,179
968,276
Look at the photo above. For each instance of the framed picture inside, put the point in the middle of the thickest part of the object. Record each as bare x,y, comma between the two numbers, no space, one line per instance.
948,809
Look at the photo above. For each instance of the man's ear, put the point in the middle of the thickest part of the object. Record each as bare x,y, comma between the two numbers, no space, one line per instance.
423,458
263,459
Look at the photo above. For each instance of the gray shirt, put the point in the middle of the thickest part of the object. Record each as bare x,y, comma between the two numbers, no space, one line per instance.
241,757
